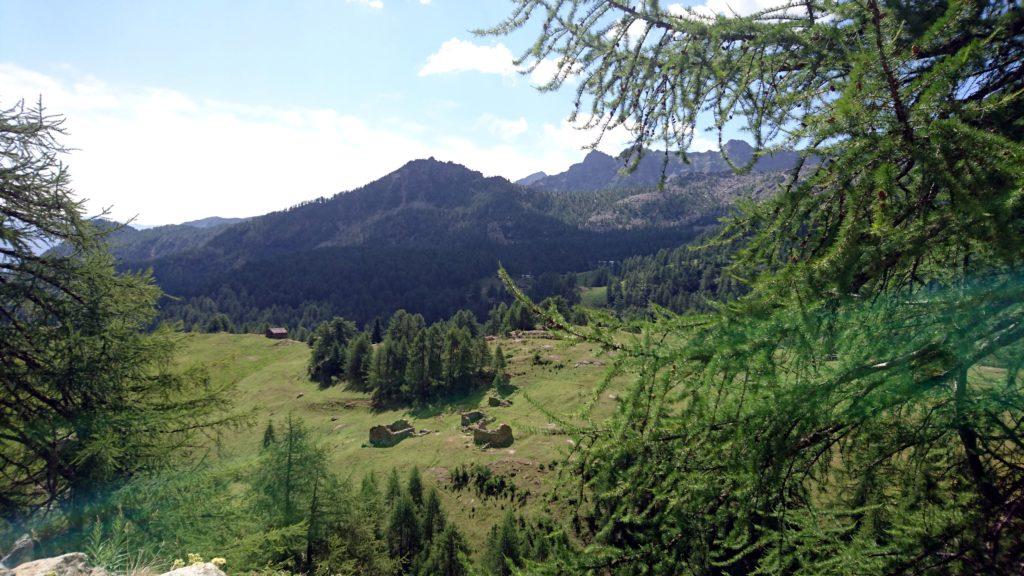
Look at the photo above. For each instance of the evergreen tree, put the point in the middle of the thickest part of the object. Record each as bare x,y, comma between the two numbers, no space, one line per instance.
519,317
797,429
467,320
458,366
504,549
377,331
404,534
448,555
387,371
434,340
89,392
414,488
394,489
219,323
358,359
416,383
498,367
433,516
330,346
354,542
497,320
370,501
287,473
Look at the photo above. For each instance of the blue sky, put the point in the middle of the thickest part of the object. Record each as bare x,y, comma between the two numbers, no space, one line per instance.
180,110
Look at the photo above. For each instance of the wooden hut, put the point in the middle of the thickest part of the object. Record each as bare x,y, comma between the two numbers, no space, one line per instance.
277,333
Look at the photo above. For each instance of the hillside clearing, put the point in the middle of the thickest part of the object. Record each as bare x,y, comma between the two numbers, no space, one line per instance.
271,383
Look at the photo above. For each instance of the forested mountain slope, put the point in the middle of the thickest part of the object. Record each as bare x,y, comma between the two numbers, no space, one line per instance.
427,237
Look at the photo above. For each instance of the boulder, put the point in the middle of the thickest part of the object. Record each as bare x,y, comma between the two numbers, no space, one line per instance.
495,402
201,569
472,416
73,564
391,434
21,552
501,437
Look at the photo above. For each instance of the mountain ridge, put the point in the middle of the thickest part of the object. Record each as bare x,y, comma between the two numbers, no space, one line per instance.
428,236
600,171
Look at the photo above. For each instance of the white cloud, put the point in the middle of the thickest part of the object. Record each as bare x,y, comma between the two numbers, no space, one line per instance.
568,136
375,4
425,2
543,72
166,156
503,128
457,55
701,144
712,8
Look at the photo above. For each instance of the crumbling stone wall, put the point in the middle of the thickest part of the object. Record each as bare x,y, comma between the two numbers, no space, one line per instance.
501,437
391,434
471,417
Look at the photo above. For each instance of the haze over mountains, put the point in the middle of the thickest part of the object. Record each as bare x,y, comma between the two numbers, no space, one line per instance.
431,235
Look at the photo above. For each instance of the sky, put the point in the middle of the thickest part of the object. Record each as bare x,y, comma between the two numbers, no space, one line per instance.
179,110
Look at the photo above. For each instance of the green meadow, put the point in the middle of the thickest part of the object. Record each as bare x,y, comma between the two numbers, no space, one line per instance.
271,383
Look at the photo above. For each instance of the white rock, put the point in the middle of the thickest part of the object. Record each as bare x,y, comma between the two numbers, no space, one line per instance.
73,564
204,569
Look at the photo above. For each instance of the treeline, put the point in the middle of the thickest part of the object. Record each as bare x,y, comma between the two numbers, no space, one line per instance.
684,279
412,363
407,361
228,311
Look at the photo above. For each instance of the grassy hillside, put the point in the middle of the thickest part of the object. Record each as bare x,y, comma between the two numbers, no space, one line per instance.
271,381
594,297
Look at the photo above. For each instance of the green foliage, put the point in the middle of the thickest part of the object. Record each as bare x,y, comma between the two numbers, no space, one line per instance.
404,534
448,555
433,516
87,394
330,343
218,323
119,549
486,483
414,488
842,415
358,356
416,363
685,279
503,553
289,469
394,491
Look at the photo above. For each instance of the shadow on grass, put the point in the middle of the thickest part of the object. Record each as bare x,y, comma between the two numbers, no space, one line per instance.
455,403
506,390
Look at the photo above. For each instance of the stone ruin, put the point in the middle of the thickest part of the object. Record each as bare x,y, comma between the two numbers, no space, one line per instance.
384,436
498,438
471,417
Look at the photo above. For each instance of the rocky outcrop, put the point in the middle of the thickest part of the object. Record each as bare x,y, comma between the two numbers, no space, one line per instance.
200,569
471,417
73,564
498,438
383,436
21,552
77,564
495,402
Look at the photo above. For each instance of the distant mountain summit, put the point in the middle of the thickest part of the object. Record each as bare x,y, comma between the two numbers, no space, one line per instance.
531,178
599,171
212,222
